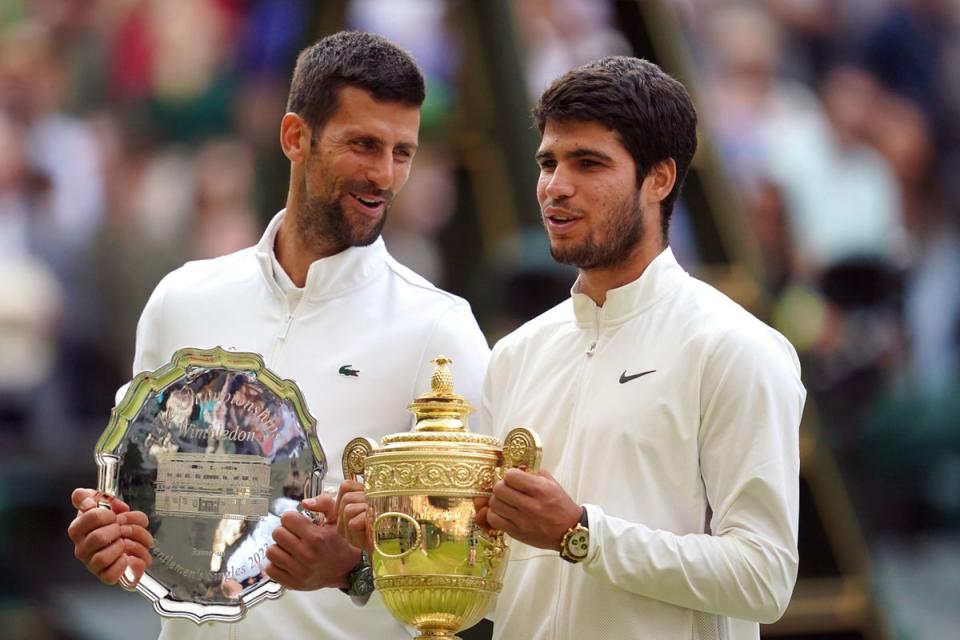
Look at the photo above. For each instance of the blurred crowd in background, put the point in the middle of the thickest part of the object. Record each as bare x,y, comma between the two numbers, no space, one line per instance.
138,134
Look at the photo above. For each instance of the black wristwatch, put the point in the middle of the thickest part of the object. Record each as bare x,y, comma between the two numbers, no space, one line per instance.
360,578
576,542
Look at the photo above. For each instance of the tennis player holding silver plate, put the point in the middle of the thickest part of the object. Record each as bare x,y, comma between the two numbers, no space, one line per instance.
213,447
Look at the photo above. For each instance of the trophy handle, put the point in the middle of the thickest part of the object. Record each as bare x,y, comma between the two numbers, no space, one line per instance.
355,456
108,485
522,450
414,525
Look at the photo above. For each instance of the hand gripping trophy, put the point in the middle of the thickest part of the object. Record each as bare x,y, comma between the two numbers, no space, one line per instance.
434,566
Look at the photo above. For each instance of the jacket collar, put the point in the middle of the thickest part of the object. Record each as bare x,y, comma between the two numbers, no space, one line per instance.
330,276
661,278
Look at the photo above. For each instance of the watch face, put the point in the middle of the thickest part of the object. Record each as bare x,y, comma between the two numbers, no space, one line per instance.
362,582
578,544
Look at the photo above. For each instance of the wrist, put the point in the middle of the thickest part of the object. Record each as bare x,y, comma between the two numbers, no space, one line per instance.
575,545
576,517
359,580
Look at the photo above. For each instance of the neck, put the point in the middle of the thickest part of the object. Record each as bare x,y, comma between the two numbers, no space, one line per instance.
596,282
295,251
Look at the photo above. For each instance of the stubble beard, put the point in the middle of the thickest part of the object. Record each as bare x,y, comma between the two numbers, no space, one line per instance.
622,233
323,222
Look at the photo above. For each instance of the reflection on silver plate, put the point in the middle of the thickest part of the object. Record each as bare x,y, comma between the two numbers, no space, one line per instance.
213,447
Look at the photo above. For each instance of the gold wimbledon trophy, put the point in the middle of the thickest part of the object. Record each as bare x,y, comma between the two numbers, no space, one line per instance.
435,568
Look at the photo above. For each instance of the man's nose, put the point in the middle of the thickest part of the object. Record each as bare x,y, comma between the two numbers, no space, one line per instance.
559,185
380,171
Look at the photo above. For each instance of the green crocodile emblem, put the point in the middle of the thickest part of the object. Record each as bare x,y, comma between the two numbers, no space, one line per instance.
348,370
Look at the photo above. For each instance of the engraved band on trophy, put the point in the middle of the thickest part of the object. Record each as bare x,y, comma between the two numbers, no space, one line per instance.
435,568
213,447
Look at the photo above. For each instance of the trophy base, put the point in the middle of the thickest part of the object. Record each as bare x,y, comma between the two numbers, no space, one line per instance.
436,634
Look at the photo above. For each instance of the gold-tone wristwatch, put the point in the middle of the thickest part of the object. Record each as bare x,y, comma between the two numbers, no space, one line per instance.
576,542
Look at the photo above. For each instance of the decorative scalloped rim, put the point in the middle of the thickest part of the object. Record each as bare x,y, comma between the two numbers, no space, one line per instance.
128,408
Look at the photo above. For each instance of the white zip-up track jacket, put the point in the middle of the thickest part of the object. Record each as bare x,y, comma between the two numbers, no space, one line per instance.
673,415
361,310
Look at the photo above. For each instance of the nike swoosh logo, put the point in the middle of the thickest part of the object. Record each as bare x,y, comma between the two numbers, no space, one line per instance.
625,378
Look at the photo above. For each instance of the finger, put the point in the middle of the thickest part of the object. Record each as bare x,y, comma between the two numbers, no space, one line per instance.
105,557
135,518
112,574
117,505
481,517
85,523
285,578
504,510
321,504
96,541
284,568
358,533
524,482
348,486
349,505
503,524
355,519
290,543
508,495
137,567
137,550
296,524
136,534
352,511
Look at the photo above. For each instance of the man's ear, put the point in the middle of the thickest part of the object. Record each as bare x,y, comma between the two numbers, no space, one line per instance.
660,180
295,136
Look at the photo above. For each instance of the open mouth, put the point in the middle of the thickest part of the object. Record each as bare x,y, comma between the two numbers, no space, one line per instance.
369,203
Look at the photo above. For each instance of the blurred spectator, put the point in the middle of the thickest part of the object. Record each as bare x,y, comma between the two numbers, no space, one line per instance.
61,149
842,198
421,27
425,206
562,34
223,220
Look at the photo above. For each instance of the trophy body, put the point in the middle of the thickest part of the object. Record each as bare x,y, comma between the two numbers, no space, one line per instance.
434,566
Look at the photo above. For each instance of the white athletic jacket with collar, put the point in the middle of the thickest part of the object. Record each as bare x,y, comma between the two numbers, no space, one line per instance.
673,415
361,311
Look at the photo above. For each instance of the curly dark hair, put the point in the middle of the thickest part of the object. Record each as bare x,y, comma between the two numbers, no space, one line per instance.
651,112
357,59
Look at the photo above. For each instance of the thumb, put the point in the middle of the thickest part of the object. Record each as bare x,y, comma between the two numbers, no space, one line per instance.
83,499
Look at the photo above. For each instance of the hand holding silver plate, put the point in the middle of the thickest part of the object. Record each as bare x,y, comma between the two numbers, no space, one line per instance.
213,447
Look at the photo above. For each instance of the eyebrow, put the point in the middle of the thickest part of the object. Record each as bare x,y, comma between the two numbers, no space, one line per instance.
579,152
405,145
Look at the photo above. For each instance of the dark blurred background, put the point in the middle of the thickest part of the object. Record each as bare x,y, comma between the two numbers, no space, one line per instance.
138,134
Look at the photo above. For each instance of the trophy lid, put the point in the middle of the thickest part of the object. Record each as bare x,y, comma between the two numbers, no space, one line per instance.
441,414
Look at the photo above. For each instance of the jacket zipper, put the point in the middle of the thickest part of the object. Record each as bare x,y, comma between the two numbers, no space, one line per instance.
558,623
596,336
281,340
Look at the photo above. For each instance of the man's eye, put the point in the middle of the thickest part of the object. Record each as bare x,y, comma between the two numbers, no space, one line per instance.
548,165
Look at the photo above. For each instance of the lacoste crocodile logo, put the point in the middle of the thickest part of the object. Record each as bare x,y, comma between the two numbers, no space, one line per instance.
348,370
625,378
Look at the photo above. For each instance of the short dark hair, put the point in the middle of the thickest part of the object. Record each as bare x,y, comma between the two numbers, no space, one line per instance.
356,59
651,112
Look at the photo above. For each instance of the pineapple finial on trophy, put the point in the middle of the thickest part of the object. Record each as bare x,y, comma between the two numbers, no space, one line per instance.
441,382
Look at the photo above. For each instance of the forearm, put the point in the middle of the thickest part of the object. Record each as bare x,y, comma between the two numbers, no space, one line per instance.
738,573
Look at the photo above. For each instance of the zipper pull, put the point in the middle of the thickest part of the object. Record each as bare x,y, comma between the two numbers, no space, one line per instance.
593,347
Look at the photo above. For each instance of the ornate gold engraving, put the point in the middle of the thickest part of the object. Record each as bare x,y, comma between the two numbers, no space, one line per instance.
435,567
431,477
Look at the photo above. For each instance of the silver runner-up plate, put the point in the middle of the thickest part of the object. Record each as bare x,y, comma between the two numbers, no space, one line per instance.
213,447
